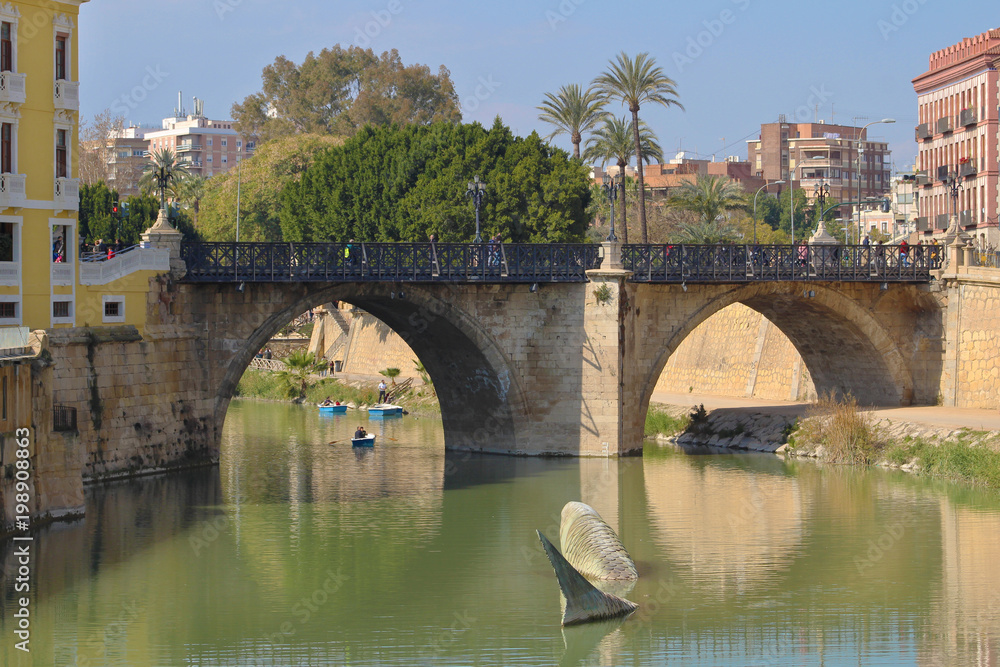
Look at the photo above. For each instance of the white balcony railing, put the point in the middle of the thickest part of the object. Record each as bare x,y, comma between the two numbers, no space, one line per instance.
67,95
67,194
12,192
62,273
124,263
10,273
12,87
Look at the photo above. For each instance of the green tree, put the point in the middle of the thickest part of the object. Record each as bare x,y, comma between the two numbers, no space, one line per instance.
391,373
709,197
300,367
572,112
614,141
340,90
805,219
259,182
190,192
637,81
96,202
393,183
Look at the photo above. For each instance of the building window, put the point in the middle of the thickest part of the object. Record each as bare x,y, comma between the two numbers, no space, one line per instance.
7,148
61,57
6,47
114,308
225,159
61,309
62,164
209,158
4,416
225,142
8,310
251,145
210,141
6,242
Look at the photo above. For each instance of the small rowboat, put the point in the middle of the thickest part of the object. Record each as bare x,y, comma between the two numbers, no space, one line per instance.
332,409
385,409
367,441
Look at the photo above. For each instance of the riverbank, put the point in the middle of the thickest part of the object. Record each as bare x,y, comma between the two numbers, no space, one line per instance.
942,442
266,386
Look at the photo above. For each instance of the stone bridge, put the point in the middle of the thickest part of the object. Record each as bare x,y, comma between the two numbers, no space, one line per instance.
562,367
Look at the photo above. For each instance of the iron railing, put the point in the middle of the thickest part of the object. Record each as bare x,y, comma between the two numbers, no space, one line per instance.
742,263
389,262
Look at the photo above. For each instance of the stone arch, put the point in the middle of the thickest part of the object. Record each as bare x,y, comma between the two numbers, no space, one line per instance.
481,398
842,343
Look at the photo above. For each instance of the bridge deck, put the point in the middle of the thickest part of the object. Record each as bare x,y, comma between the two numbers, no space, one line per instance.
550,263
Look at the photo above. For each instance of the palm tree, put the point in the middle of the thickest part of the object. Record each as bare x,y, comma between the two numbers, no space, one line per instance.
164,173
572,112
709,197
191,191
635,82
614,141
391,373
301,365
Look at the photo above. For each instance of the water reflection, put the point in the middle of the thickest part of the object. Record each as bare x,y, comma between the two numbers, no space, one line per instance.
298,551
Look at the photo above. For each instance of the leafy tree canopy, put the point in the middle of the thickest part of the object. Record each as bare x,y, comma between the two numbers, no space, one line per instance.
260,181
403,183
340,90
135,215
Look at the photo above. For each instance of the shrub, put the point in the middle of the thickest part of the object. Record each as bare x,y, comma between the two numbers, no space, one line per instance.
847,432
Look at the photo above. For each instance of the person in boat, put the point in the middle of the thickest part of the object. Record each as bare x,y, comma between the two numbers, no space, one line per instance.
336,402
327,401
360,433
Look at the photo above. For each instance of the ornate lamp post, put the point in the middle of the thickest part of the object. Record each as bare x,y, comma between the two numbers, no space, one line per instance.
476,190
755,206
609,192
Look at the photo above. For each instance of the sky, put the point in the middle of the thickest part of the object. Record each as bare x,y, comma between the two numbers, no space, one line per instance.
736,63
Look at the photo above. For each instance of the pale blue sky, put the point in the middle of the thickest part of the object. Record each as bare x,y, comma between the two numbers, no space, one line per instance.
737,63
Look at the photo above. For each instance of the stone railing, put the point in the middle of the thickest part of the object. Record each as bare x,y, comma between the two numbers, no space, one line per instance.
62,273
67,194
124,263
67,95
261,364
12,88
12,190
10,273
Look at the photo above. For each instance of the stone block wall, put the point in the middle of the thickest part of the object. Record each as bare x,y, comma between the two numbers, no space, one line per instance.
738,352
373,347
972,366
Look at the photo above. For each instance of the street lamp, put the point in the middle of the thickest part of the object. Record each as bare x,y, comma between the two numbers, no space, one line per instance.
791,191
821,192
860,134
755,207
609,188
476,190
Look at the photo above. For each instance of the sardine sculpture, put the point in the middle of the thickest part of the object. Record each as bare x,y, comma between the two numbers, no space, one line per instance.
584,602
592,546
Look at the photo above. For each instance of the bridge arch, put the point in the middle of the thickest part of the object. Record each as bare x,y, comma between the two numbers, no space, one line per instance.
843,343
481,398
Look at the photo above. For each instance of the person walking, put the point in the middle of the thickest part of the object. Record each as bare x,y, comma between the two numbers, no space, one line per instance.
381,391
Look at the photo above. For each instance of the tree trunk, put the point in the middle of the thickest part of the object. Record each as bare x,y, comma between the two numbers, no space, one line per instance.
576,138
638,166
624,222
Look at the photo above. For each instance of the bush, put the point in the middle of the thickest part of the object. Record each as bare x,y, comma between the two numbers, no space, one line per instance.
847,432
659,421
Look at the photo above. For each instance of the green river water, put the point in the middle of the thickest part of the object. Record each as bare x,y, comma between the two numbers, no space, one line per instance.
295,551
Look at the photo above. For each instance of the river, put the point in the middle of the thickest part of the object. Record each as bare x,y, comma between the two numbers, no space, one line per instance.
298,550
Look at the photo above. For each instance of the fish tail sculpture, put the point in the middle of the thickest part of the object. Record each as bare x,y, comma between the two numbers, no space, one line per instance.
592,546
584,602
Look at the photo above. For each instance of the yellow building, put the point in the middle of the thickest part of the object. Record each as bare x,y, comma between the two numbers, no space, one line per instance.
43,283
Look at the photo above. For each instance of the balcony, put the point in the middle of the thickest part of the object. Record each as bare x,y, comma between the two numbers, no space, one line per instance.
924,132
968,117
12,192
944,125
941,221
921,178
967,169
62,274
67,95
965,218
67,194
942,172
923,224
12,87
184,148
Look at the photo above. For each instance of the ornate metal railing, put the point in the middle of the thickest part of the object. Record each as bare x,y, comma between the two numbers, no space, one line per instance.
398,262
743,263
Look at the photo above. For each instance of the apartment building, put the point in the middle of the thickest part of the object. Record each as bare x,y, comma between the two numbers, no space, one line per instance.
812,155
957,138
206,147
